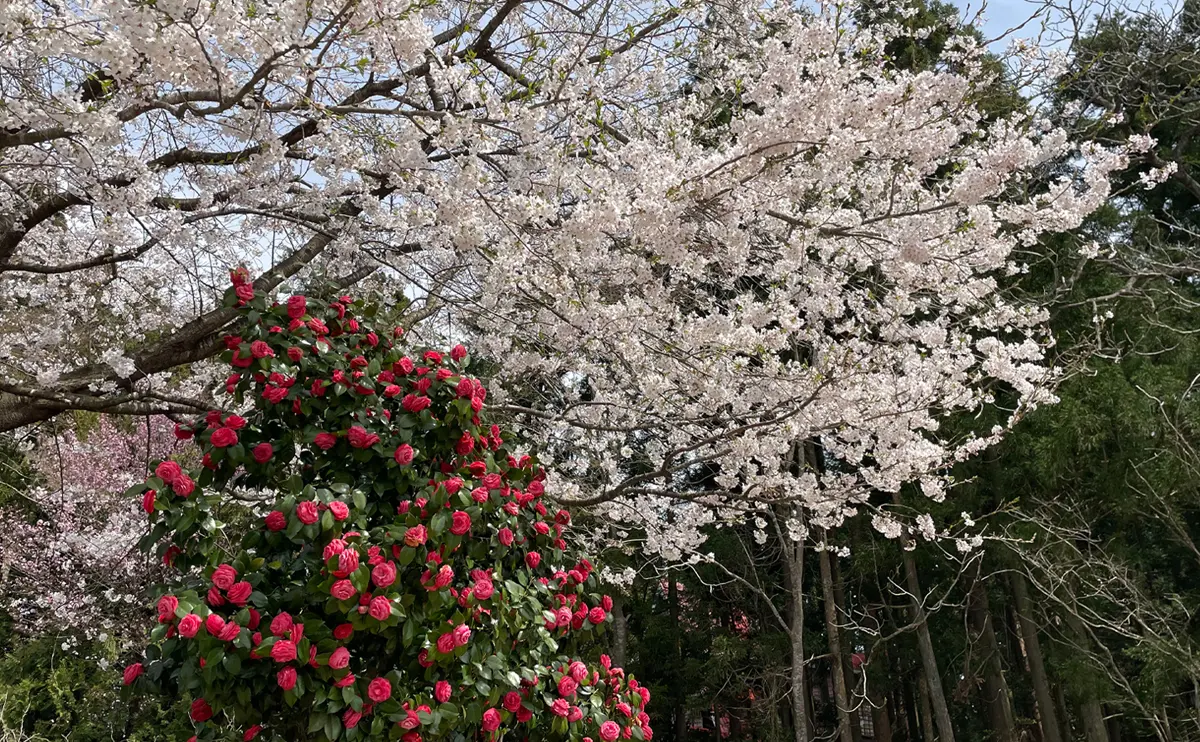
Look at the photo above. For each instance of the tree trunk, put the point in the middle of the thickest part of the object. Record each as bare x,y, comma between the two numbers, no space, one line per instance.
1033,654
927,732
1090,711
853,692
680,712
933,678
879,699
841,697
1064,717
995,687
620,631
794,566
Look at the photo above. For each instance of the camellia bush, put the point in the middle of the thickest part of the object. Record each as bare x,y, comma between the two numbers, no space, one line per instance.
406,579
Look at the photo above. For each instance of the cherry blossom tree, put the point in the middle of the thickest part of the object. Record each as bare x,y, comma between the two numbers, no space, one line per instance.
822,263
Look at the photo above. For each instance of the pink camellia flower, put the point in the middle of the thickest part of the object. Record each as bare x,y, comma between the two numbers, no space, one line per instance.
410,721
423,658
462,635
239,593
506,536
441,691
333,548
325,441
167,605
281,624
307,512
133,671
491,720
148,501
224,576
560,707
343,590
567,686
483,590
344,682
200,711
340,510
444,577
381,608
262,453
404,454
445,643
284,650
578,671
297,307
460,523
347,563
415,536
625,709
533,559
575,714
189,625
168,471
384,574
351,718
512,701
276,521
609,731
596,615
286,678
458,352
224,437
606,603
379,690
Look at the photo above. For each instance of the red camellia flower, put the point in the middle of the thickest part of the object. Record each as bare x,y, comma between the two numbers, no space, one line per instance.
224,576
325,441
404,454
224,437
458,352
230,631
131,673
533,559
445,643
276,521
168,471
189,625
307,512
596,615
560,707
343,590
413,403
286,678
384,574
360,438
262,452
183,485
339,510
251,733
340,659
235,422
283,650
297,307
281,624
239,593
294,354
462,635
343,632
491,720
167,605
460,523
214,624
567,686
201,711
483,590
148,501
379,690
351,718
182,433
381,608
506,536
512,701
441,691
344,682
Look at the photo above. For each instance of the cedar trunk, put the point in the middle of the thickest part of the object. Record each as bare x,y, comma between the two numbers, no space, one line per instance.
1033,654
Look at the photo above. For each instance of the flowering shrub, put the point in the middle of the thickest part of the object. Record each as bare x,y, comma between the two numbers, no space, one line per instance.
408,581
